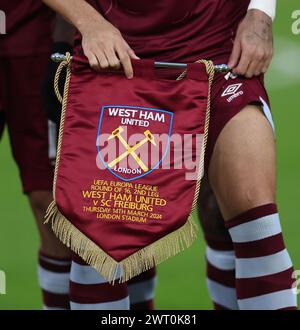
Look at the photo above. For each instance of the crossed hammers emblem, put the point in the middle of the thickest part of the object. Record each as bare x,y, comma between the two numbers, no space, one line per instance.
130,150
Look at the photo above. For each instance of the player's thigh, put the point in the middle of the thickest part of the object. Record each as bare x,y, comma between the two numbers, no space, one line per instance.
242,167
210,217
50,244
27,123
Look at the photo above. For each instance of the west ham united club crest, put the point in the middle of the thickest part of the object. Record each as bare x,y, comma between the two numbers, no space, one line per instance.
132,141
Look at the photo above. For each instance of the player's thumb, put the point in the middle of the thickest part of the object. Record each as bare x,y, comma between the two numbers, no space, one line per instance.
235,55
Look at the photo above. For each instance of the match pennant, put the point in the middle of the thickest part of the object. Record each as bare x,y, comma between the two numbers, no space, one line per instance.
123,193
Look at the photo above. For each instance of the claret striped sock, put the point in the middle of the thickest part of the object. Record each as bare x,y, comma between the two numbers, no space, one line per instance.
54,277
220,268
141,290
90,291
263,266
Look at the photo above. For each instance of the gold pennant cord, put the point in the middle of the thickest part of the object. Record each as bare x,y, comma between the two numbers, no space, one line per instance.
149,256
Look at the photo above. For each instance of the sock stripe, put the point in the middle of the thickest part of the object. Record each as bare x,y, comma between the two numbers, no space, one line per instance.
224,277
56,268
47,308
274,301
54,300
146,275
56,261
220,268
218,307
223,260
260,248
54,276
262,266
78,260
222,295
121,304
292,308
251,287
256,230
97,293
84,274
224,245
252,214
91,291
53,282
143,306
143,291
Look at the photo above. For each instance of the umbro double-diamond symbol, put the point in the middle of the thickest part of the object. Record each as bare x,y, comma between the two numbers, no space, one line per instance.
232,91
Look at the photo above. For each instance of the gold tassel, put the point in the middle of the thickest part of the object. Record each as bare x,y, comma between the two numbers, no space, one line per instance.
138,262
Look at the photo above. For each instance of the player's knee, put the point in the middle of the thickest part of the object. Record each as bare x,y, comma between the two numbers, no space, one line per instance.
254,196
247,198
51,246
214,229
49,243
210,216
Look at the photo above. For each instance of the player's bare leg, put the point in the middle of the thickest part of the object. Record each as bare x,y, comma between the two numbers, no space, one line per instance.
54,257
242,175
49,244
220,259
242,168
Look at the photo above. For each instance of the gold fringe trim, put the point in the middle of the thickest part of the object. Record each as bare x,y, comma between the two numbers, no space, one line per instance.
138,262
149,256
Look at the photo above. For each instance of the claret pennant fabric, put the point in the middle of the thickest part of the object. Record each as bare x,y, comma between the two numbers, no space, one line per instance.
124,189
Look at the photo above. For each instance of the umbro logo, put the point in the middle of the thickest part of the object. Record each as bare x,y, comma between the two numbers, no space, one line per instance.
233,91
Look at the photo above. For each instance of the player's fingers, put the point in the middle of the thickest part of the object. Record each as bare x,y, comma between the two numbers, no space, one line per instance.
252,69
259,58
132,54
92,60
112,58
235,54
125,61
260,68
103,62
130,51
243,64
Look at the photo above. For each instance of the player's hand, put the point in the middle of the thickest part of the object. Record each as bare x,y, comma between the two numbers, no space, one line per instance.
253,46
105,47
